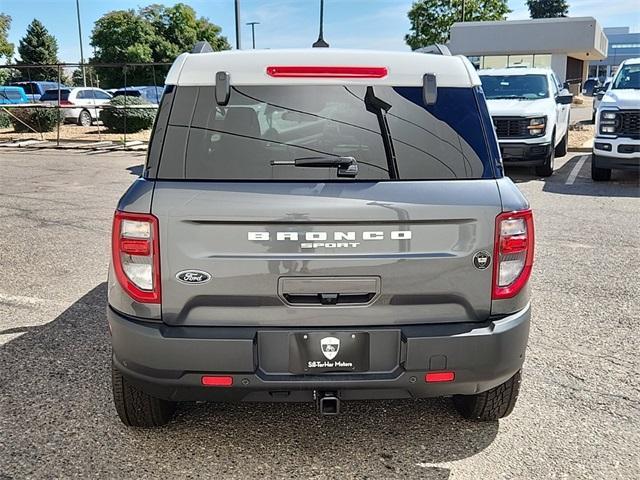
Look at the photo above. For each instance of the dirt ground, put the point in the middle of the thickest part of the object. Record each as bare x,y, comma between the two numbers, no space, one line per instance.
579,134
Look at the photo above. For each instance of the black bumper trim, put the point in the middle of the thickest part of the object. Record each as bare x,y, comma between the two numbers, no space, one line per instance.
525,154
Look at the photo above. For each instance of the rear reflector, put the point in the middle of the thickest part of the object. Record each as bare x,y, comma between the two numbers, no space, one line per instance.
325,71
433,377
217,381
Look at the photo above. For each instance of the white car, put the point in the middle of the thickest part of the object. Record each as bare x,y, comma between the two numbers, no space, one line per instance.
617,137
84,100
530,111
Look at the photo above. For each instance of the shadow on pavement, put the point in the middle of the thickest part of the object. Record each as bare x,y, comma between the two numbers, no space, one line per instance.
622,184
57,420
135,170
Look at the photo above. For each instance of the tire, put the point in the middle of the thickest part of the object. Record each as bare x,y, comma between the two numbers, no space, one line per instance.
599,174
490,405
137,409
546,169
561,148
84,119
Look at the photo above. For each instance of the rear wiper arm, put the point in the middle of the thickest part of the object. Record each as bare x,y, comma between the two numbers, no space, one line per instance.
347,166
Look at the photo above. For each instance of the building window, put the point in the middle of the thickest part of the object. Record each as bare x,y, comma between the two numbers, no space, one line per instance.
625,45
495,61
542,60
520,61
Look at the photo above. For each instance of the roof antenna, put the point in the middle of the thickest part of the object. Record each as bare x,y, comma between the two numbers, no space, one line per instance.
320,43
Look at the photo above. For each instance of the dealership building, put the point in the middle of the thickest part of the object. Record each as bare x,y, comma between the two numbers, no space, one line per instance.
623,45
566,45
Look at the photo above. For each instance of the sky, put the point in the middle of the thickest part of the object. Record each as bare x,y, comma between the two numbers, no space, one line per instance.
373,24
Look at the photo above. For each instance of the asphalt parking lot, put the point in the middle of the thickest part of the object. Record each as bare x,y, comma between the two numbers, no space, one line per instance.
579,410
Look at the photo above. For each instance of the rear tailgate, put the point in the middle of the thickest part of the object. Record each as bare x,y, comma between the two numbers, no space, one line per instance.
326,254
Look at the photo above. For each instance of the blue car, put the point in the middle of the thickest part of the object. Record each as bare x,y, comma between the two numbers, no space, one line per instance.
12,95
35,90
149,93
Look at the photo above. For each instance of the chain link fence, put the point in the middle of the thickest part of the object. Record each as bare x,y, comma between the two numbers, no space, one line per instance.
111,105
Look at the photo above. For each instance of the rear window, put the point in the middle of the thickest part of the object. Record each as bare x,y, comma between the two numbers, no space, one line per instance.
53,95
264,129
128,93
10,94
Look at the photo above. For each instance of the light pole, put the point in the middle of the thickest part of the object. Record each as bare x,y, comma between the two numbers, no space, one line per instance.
84,73
253,33
320,42
237,7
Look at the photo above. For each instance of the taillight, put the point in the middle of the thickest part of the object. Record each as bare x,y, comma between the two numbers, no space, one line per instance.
65,102
135,249
513,253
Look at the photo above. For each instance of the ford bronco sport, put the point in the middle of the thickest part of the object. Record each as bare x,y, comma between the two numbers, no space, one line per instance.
320,225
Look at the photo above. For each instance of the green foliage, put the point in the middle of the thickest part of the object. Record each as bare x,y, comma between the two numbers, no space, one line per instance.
153,34
38,46
130,120
431,20
77,80
5,120
39,119
548,8
6,48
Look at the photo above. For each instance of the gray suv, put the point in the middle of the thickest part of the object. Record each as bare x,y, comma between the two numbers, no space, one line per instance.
324,226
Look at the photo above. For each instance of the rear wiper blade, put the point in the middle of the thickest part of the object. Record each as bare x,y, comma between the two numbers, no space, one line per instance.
347,166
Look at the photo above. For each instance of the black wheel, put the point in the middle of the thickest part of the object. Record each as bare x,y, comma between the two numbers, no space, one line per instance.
599,174
561,148
546,169
137,409
490,405
84,119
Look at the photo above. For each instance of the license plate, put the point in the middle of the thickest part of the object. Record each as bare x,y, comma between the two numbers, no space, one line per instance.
321,352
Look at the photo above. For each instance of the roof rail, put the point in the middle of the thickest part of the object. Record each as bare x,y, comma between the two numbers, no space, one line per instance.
202,47
435,49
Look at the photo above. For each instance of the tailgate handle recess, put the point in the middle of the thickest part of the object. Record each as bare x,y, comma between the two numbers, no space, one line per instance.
329,290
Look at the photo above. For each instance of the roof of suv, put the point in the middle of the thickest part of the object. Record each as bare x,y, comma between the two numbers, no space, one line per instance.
249,67
515,71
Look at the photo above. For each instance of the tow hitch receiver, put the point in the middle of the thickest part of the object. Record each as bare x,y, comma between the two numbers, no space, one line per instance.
328,403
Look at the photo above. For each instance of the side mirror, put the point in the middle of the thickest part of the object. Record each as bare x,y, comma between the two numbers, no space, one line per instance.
565,85
564,98
600,95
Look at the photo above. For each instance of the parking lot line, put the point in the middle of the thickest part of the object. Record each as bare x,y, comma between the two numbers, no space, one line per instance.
576,169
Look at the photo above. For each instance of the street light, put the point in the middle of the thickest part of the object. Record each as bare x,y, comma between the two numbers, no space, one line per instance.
253,32
320,42
84,73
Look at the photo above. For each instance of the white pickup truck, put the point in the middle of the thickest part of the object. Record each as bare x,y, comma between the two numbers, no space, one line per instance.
617,138
530,111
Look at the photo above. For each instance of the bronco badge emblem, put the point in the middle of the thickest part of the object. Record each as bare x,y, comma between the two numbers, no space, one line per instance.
330,347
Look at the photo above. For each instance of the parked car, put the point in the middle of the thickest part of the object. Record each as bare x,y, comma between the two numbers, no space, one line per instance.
322,225
589,85
151,94
86,101
12,95
598,93
617,139
35,90
530,109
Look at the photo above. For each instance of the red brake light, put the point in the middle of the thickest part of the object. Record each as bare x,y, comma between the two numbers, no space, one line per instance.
434,377
65,102
136,255
513,254
326,71
217,380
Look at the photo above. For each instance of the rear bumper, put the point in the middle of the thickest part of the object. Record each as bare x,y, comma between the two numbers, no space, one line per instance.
168,362
524,154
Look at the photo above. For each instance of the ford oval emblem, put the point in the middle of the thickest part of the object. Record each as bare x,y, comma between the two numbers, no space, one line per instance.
193,277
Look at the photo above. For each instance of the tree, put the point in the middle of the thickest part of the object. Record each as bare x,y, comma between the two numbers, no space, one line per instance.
153,34
6,48
431,20
38,46
548,8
